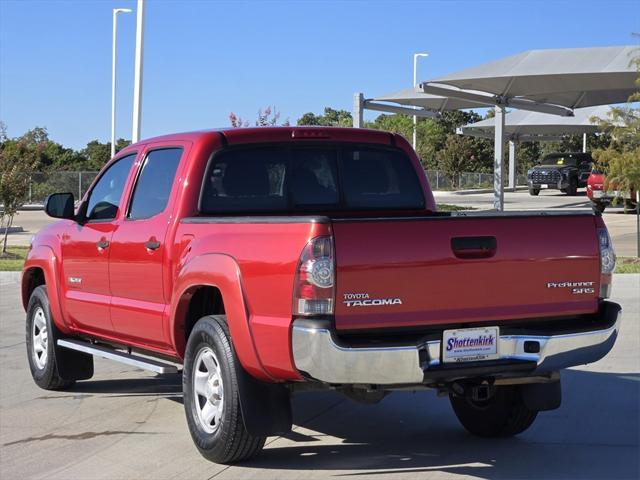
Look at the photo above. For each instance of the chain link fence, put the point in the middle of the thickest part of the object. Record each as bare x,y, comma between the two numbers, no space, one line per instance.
44,184
467,180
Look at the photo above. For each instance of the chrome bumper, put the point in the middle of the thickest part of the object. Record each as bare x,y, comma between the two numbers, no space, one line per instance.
320,355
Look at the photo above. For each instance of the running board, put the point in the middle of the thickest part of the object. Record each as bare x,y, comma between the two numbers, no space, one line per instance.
111,354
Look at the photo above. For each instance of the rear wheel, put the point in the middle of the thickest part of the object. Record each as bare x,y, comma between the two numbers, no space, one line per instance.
211,395
502,415
534,191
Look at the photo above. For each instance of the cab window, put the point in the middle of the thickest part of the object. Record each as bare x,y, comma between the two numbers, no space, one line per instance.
104,199
153,188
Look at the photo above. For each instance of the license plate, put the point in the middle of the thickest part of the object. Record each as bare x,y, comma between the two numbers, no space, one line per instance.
470,344
544,186
597,193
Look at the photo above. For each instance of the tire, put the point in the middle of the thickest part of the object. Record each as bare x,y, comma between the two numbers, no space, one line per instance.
503,415
41,334
534,191
598,206
572,189
216,424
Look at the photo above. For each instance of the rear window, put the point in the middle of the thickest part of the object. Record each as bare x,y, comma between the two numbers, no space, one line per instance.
283,179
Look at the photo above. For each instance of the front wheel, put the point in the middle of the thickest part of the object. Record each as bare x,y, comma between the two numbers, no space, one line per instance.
41,343
534,191
502,415
598,206
211,395
572,189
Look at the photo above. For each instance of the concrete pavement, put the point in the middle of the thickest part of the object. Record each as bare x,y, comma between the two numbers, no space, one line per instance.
126,423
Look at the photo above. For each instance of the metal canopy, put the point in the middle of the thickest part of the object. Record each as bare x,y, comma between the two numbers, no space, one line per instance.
550,81
522,126
566,78
436,103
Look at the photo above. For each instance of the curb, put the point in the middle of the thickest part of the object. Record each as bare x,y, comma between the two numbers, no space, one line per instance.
12,230
477,190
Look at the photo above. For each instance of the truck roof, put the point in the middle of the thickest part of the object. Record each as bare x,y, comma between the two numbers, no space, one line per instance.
283,134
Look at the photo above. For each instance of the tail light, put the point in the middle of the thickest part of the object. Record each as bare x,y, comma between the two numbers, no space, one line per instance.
313,290
607,262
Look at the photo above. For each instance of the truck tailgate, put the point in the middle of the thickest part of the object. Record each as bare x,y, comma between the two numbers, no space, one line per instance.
449,270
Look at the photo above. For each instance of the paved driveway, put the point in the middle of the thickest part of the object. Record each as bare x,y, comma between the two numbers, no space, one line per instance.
126,423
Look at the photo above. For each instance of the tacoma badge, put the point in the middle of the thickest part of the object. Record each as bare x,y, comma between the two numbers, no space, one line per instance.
363,300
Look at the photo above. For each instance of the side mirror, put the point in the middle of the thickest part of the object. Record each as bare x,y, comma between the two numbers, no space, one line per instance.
60,205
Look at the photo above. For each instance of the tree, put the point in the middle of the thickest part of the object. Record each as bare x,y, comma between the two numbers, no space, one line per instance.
267,117
18,160
620,160
330,118
456,157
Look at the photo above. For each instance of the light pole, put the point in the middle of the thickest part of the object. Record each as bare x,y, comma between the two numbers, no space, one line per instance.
116,11
137,81
415,84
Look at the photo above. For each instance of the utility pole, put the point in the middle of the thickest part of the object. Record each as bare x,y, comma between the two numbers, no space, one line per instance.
116,11
137,83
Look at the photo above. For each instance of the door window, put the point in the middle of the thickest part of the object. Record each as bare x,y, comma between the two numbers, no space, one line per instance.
104,199
153,188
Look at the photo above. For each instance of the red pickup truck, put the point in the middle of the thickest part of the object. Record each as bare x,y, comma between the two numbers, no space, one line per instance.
269,261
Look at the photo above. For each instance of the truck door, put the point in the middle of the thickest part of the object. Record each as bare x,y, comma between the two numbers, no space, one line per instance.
138,248
86,247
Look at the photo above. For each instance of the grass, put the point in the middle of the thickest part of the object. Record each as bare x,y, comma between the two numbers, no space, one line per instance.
627,265
14,260
446,207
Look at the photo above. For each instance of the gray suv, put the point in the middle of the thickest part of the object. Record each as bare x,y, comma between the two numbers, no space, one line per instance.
561,171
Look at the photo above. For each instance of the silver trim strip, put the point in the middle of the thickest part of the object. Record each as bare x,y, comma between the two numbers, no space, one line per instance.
110,354
317,354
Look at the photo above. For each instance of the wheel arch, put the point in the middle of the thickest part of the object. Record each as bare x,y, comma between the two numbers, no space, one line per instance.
41,268
212,284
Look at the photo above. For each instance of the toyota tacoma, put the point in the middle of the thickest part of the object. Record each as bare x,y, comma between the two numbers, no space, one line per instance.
261,262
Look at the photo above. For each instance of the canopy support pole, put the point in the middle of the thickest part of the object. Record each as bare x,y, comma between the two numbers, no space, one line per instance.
512,165
498,159
584,143
358,110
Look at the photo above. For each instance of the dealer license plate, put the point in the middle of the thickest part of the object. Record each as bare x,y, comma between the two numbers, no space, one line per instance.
470,344
544,186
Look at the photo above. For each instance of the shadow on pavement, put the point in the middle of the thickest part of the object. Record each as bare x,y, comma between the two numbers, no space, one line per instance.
594,434
167,386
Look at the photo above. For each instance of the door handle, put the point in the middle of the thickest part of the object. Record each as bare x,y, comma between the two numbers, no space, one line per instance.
474,247
102,244
152,245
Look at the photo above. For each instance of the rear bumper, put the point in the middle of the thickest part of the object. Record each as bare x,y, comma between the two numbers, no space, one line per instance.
320,355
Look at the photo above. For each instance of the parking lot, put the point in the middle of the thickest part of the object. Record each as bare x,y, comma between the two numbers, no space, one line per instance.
126,423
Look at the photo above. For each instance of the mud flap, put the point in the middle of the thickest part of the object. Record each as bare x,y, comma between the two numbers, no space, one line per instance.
542,396
71,365
266,407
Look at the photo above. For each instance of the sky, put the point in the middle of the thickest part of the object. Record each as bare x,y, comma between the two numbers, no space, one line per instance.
205,59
